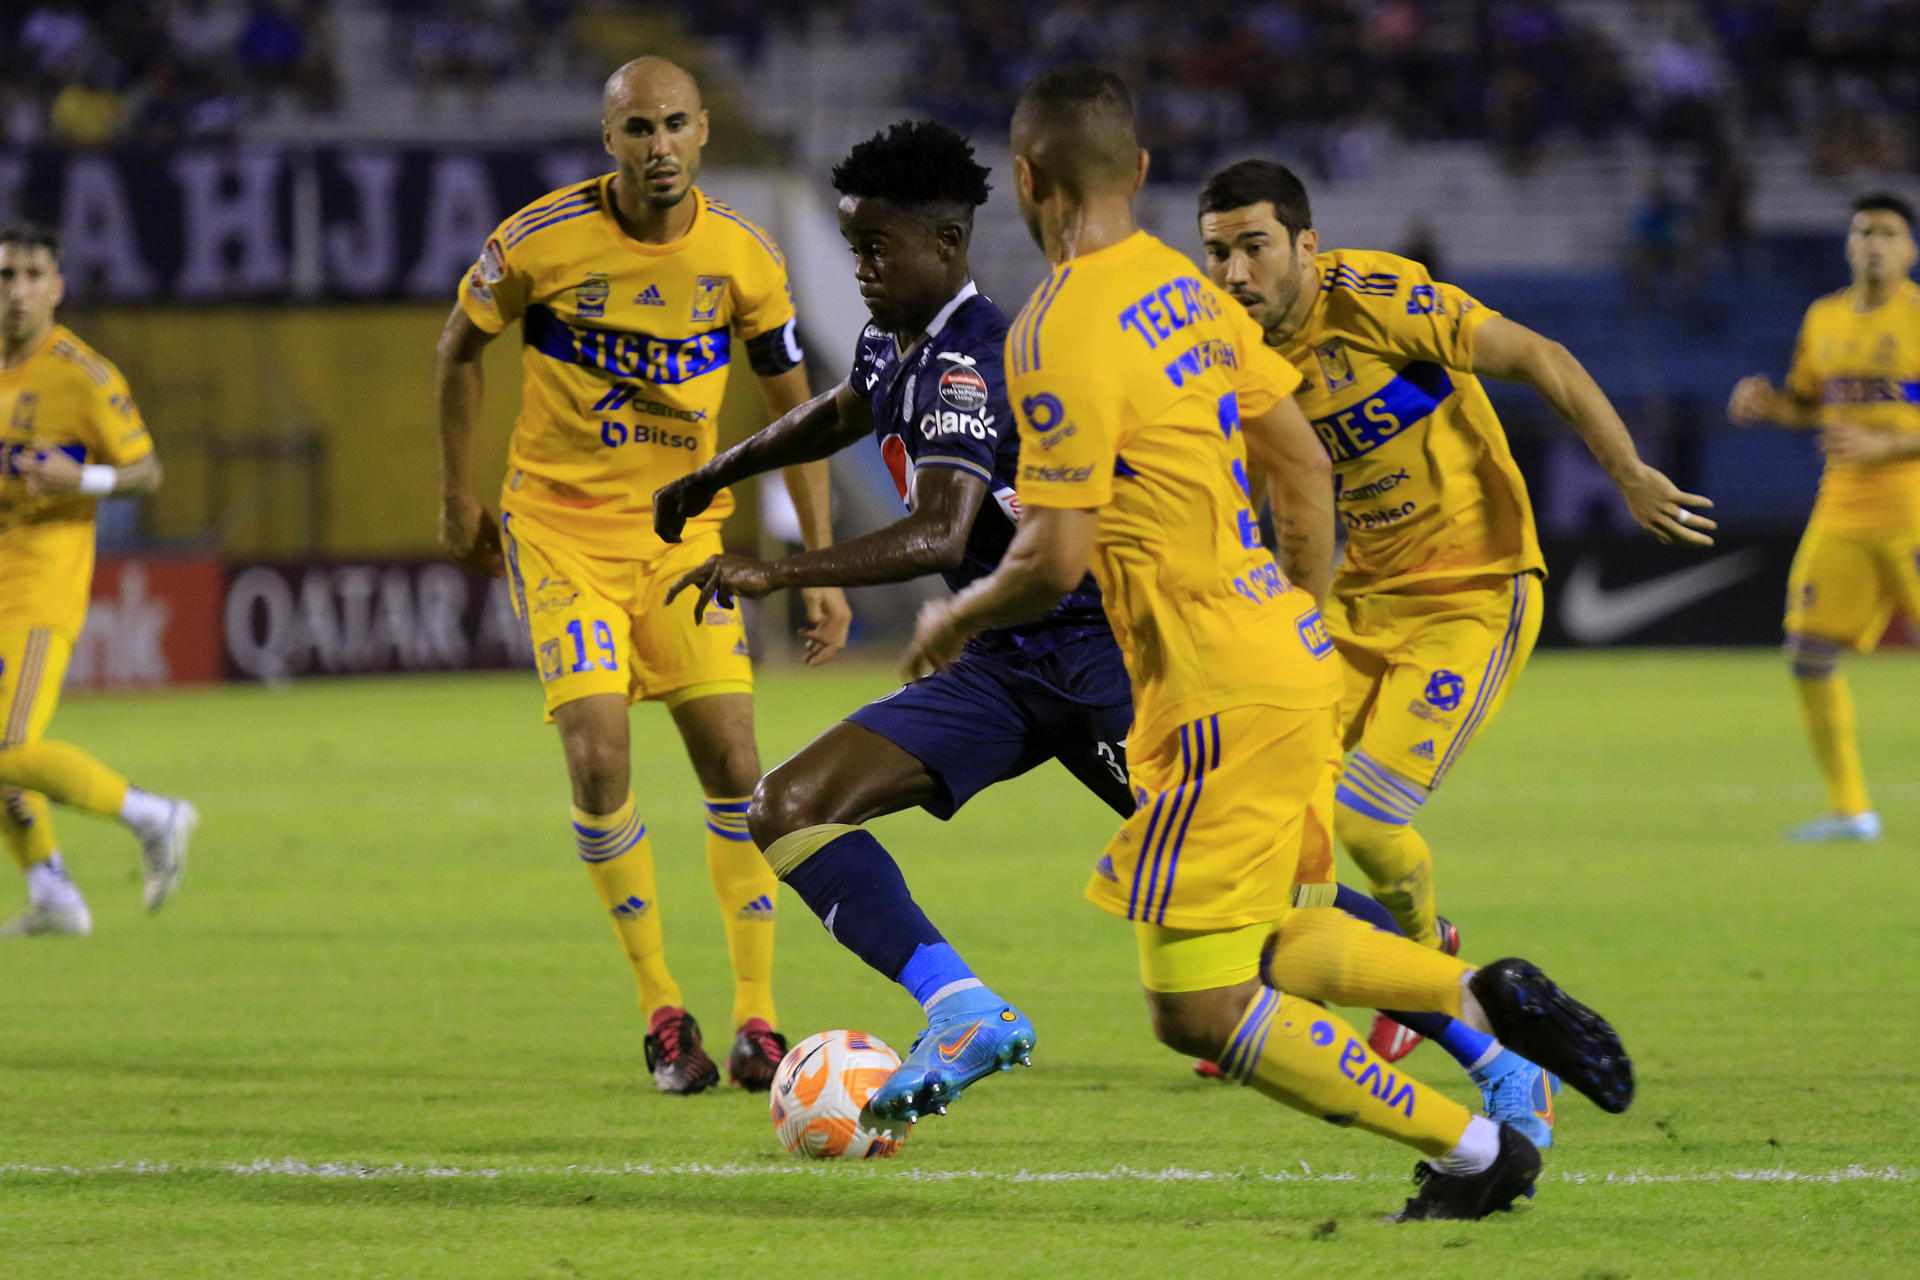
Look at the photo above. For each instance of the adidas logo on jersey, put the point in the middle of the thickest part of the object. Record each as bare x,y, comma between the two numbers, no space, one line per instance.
761,908
1424,750
632,908
650,297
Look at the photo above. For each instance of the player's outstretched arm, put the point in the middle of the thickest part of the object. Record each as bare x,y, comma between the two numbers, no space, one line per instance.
1047,558
467,530
1755,400
1514,353
811,488
930,538
48,469
1283,448
808,432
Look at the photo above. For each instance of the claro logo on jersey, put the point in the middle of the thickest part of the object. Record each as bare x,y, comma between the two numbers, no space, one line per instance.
947,422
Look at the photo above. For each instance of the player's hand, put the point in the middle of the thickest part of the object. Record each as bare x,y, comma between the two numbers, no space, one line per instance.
47,470
471,535
938,636
1661,509
677,502
828,618
1851,442
721,578
1752,401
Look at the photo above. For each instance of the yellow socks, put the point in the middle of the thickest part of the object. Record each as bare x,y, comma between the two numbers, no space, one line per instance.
1399,868
619,861
1826,706
1325,954
747,891
26,825
1296,1052
64,773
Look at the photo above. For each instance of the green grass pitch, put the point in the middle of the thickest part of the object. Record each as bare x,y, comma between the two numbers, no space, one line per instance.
383,1030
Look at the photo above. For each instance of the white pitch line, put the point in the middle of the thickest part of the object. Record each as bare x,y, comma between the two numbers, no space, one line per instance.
287,1168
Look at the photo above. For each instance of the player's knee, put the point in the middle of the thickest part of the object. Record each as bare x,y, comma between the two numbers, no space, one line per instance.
785,801
598,770
1810,657
1190,1023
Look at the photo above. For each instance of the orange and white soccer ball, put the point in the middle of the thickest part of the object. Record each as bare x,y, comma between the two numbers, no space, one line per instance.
820,1097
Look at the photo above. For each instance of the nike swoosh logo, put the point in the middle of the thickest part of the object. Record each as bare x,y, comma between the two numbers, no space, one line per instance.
954,1048
1592,614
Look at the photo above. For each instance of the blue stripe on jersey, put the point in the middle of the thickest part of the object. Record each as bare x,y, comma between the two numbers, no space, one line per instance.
1378,282
1026,327
535,211
1040,316
1415,392
751,230
1494,676
558,216
626,353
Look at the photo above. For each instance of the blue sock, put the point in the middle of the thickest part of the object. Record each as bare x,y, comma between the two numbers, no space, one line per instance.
856,889
1465,1044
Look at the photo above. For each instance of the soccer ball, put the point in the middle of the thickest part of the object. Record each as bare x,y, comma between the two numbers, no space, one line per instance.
820,1097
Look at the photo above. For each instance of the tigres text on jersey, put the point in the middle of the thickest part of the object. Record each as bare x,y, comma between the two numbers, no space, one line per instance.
1424,480
626,350
65,396
1129,374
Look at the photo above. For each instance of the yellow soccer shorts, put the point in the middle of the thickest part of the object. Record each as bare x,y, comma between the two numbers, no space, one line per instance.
33,663
1215,843
1845,588
1426,671
604,626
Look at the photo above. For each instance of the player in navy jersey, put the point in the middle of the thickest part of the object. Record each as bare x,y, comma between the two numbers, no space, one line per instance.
927,381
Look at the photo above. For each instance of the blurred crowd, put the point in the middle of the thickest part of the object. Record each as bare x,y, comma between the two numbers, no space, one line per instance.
89,73
1337,77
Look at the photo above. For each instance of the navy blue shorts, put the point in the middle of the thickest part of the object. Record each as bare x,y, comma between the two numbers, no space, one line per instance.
985,719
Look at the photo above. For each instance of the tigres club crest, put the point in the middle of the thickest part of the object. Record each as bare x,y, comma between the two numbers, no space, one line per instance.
1335,363
707,292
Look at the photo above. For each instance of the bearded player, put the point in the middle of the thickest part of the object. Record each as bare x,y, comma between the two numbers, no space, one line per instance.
1436,605
635,292
70,434
1855,378
1142,395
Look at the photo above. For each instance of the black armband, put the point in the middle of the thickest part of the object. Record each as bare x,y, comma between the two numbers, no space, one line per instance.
776,350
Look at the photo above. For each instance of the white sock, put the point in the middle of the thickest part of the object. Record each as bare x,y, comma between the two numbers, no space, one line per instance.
1485,1060
951,989
48,884
145,811
1475,1151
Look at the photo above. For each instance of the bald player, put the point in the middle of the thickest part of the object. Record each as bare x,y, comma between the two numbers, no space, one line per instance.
635,293
1143,396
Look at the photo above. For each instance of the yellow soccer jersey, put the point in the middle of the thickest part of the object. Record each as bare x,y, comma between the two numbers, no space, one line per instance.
1864,367
1129,373
625,356
1425,482
69,397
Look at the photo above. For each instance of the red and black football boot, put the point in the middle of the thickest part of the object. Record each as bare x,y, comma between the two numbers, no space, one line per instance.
757,1053
1388,1038
675,1056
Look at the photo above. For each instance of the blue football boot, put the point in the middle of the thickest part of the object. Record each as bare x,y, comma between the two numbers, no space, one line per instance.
969,1035
1834,828
1519,1094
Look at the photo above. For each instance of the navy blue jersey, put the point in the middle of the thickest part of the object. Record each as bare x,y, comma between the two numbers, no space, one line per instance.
944,404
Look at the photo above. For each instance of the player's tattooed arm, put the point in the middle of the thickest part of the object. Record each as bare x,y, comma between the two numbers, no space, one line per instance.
1282,448
816,429
1047,558
1514,353
49,469
467,529
931,537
